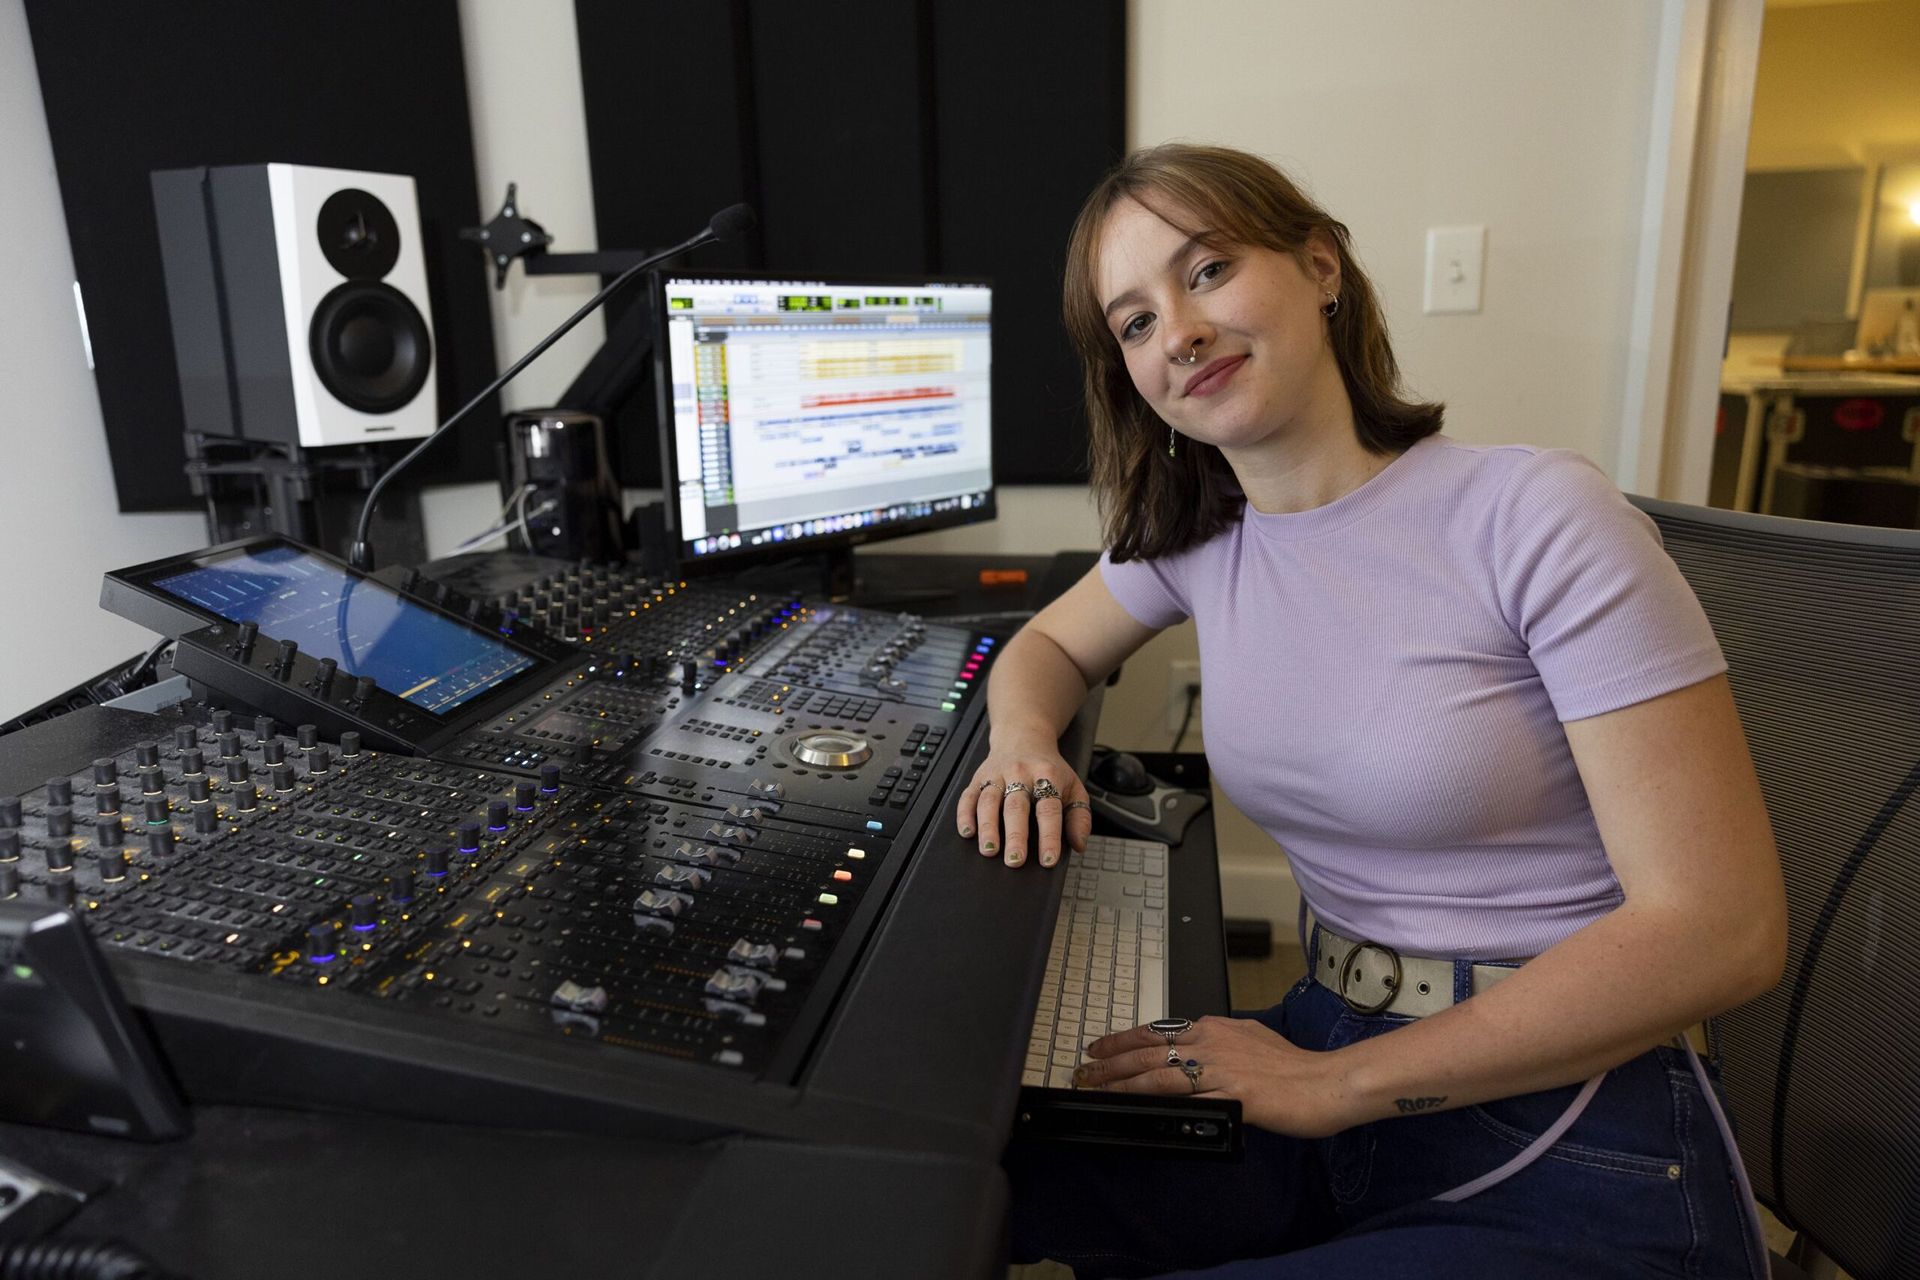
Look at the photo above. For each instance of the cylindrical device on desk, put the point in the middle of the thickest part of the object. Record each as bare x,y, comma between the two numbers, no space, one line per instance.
562,455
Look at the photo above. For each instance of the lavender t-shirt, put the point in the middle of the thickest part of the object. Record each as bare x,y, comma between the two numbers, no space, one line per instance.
1387,676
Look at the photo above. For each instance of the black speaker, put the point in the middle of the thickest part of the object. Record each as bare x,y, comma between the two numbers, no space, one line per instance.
560,485
298,301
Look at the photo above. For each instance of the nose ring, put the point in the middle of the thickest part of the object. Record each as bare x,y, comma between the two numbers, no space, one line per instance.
1193,354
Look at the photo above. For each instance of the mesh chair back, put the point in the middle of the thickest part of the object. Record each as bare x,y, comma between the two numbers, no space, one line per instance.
1821,627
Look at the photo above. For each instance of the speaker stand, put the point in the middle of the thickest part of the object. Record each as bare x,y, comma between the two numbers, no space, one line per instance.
256,487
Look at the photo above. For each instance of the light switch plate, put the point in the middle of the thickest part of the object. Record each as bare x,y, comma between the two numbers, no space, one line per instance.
1456,261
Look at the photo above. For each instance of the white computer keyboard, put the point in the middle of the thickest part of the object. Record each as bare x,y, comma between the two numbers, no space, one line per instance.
1107,967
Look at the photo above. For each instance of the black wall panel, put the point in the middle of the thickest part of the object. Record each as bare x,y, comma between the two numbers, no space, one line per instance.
890,136
354,84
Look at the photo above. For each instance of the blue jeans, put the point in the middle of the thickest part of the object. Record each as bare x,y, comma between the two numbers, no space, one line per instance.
1640,1186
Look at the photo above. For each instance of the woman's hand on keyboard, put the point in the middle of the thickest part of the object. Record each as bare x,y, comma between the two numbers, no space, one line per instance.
988,808
1281,1087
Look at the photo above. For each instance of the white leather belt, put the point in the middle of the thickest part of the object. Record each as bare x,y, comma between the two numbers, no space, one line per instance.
1374,978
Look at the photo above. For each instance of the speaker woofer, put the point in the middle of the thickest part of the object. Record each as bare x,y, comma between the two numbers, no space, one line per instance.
370,346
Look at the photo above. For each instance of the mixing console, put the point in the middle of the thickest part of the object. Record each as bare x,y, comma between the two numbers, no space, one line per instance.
672,833
658,925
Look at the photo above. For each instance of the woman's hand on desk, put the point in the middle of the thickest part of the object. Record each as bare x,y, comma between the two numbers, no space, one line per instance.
988,809
1281,1087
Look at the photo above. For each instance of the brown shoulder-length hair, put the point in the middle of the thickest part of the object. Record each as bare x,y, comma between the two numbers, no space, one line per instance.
1152,504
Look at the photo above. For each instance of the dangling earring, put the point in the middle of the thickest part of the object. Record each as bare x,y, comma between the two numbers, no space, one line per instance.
1170,452
1332,308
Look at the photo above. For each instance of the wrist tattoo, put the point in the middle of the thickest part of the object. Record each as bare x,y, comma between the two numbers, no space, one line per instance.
1408,1106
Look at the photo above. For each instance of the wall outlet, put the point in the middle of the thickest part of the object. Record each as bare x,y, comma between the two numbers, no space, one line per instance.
1180,677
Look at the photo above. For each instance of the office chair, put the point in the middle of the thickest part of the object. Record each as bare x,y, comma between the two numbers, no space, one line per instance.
1821,628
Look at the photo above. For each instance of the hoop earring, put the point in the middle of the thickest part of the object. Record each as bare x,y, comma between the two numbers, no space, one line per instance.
1170,452
1332,308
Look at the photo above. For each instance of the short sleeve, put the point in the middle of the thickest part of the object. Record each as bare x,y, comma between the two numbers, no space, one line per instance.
1586,584
1153,591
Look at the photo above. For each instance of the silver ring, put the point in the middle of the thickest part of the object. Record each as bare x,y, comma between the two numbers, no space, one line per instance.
1012,787
988,785
1193,1069
1044,790
1172,1029
1173,1056
1079,804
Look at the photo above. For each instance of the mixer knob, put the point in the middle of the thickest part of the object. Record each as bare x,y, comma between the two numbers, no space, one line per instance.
273,751
689,674
105,772
9,881
469,836
364,917
283,777
761,955
771,790
746,813
350,745
323,678
439,592
222,721
247,798
650,665
400,887
107,833
283,663
156,811
153,782
309,735
160,843
59,822
496,815
742,835
662,902
523,793
410,580
61,892
146,754
9,811
60,855
59,791
319,760
474,609
549,778
197,789
10,845
244,638
600,615
627,661
436,859
192,763
675,877
206,819
229,745
185,736
264,727
113,866
321,945
107,800
237,771
363,687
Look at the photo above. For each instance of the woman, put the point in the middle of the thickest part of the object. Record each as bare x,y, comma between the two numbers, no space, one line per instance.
1470,695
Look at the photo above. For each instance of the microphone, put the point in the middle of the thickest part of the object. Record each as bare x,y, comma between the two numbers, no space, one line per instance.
730,223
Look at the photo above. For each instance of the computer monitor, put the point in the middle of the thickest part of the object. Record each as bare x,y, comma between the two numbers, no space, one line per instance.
811,414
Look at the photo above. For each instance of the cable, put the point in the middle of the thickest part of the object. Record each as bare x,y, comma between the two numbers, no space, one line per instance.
508,525
1193,697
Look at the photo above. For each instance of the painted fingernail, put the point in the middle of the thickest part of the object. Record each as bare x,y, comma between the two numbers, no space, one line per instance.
965,832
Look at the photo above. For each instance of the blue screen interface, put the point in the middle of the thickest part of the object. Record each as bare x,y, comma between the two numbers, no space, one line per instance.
428,659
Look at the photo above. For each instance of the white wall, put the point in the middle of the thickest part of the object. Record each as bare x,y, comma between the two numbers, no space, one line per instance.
59,524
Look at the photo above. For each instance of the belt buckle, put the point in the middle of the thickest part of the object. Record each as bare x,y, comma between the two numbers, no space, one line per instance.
1393,982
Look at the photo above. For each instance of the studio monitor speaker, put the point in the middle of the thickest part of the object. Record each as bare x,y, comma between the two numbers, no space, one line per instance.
298,300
